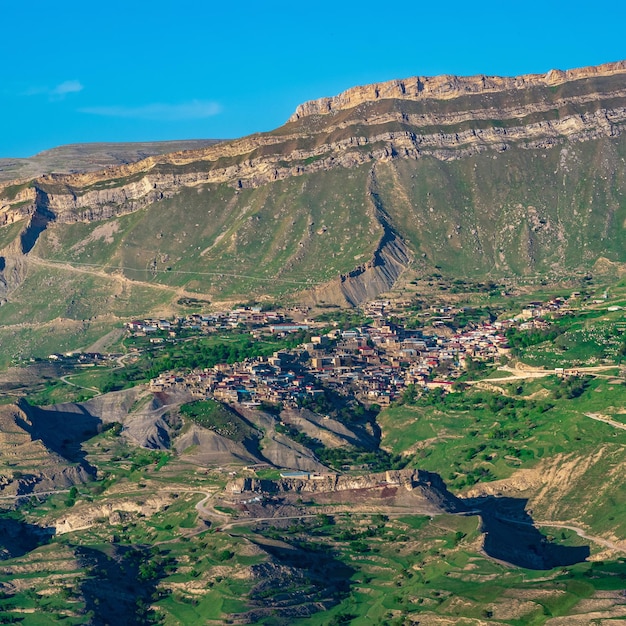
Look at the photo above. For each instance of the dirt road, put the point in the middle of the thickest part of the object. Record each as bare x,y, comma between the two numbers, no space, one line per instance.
584,535
606,420
524,372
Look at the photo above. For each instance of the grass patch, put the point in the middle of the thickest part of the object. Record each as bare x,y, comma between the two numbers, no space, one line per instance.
217,417
476,436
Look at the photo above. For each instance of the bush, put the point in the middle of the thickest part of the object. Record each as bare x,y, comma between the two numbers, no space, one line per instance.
224,555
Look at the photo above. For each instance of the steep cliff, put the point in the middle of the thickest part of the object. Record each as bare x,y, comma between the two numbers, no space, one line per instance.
446,117
425,491
447,87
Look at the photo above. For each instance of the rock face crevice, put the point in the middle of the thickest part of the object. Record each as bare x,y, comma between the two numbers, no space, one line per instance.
38,222
380,274
368,280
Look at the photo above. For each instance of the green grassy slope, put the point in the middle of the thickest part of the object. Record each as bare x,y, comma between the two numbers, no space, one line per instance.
477,436
522,212
537,206
519,212
278,238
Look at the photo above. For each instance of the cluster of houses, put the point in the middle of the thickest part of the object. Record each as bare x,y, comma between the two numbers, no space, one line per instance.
378,362
279,379
251,317
375,363
81,359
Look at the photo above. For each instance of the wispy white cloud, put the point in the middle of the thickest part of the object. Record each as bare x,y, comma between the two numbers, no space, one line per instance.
69,86
58,92
161,112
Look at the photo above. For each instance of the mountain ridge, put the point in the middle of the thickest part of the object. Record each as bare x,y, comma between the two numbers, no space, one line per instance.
255,165
447,86
443,87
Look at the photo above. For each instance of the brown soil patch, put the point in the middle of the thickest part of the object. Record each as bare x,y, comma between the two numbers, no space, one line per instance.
513,609
103,232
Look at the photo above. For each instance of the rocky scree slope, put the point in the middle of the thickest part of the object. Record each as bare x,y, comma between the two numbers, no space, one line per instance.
472,175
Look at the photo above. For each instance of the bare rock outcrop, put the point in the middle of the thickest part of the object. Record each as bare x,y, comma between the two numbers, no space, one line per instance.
332,433
370,279
401,487
446,87
148,420
85,516
263,158
277,448
205,447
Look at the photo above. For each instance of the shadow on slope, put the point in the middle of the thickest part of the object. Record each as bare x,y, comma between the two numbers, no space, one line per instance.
511,536
298,580
120,585
63,428
17,537
62,432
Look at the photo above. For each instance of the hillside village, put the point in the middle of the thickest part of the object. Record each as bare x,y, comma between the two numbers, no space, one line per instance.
375,362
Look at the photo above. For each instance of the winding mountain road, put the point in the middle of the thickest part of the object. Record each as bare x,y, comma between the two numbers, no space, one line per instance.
577,529
584,535
66,380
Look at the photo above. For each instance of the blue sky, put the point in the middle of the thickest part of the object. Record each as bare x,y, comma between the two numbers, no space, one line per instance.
141,71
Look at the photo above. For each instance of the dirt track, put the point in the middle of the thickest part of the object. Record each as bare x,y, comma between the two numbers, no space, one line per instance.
579,531
524,372
606,420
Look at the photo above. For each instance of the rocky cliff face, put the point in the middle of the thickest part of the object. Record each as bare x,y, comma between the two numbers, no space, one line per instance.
91,157
448,87
74,199
426,486
594,105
